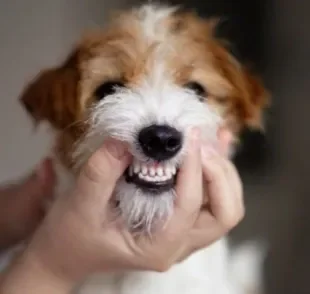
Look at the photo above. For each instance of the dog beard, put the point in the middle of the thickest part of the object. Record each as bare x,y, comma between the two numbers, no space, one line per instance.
142,211
122,116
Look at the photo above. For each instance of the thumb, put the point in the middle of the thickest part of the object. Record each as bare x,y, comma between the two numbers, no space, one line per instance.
103,169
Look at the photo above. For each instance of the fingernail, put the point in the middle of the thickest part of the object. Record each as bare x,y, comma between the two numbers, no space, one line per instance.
116,149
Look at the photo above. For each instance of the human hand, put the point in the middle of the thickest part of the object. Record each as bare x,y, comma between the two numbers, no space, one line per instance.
78,238
223,206
79,225
21,204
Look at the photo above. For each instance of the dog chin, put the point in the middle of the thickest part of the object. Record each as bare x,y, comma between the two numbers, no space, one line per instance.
145,195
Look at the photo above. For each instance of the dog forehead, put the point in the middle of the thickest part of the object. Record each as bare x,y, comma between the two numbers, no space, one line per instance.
141,40
154,21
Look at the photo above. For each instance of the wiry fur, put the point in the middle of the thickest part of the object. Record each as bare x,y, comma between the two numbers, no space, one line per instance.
154,51
122,116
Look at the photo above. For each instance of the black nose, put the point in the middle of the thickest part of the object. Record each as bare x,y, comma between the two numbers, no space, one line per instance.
160,142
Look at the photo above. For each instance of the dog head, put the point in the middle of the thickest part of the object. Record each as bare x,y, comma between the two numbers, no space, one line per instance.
149,77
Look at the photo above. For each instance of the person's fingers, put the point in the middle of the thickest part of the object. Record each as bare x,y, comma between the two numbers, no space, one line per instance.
35,190
224,212
41,183
189,178
225,140
225,204
232,176
189,186
234,179
27,199
100,174
206,231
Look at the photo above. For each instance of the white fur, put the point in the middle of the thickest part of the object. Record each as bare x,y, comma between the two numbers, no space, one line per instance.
157,100
204,272
151,20
122,115
246,265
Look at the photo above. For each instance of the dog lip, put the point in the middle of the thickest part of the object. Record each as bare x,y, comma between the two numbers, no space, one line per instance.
150,187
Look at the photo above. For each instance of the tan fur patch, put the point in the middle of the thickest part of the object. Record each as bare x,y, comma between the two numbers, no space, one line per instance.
185,47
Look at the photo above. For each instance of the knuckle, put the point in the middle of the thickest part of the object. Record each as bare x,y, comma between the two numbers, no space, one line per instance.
162,267
229,221
94,172
161,263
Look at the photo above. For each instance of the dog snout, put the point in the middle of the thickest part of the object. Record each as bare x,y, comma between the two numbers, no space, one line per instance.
160,142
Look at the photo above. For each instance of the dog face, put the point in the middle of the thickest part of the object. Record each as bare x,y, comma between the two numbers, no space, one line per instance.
148,78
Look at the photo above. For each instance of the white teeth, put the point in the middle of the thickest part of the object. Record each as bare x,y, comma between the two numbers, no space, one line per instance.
144,170
157,179
160,171
136,167
147,178
168,173
152,171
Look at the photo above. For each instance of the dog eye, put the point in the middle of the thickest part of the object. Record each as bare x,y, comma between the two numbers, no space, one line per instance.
107,88
197,88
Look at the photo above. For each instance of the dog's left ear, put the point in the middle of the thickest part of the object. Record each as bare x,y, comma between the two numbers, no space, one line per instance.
53,95
249,96
256,98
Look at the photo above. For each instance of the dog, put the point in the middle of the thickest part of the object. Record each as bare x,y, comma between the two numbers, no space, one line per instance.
146,79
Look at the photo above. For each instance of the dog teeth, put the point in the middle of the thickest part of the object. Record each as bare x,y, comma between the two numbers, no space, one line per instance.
173,170
168,173
157,179
152,173
144,170
136,167
160,171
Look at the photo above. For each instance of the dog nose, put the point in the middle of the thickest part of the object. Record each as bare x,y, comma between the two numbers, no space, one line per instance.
160,142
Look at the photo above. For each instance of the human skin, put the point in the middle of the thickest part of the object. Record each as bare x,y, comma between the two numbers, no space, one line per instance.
77,237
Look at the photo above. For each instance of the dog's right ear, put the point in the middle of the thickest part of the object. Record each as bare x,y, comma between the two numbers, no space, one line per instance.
53,95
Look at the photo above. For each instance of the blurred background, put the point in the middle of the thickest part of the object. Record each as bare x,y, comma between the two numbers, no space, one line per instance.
273,35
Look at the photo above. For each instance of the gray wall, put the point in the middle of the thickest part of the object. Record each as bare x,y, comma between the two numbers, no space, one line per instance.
277,198
289,70
35,34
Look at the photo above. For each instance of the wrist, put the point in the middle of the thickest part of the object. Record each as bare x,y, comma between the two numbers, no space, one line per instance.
29,274
58,253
